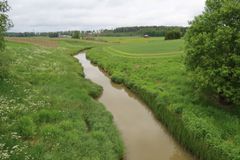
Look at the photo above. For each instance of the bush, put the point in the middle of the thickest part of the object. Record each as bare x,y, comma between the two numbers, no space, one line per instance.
213,49
51,131
53,35
5,23
47,116
26,127
4,64
76,35
172,35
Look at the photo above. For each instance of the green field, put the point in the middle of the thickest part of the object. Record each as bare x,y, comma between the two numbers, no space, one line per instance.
154,70
47,108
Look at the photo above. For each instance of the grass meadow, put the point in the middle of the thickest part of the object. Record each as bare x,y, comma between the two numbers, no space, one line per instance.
154,69
48,109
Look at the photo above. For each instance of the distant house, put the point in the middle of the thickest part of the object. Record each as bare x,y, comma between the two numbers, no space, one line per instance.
146,36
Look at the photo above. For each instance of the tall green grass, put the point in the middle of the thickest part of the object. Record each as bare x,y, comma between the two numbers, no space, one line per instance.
202,126
47,107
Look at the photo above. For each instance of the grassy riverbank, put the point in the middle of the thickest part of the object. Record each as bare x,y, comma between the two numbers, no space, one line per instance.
47,110
46,106
153,68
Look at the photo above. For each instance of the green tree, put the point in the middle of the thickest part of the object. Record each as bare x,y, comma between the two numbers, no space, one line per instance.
76,35
5,23
53,34
170,35
213,49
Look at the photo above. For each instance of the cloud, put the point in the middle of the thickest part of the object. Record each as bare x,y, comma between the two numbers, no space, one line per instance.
53,15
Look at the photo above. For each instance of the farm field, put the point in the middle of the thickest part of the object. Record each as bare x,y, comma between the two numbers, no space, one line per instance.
48,110
154,70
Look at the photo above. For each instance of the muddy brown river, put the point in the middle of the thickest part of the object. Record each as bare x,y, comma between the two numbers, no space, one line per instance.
145,138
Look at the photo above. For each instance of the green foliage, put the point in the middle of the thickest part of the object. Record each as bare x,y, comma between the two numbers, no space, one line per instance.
5,23
26,127
51,35
213,49
170,35
46,107
47,116
76,35
156,73
4,64
153,31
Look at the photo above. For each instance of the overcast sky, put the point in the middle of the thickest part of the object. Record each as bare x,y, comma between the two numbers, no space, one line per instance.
56,15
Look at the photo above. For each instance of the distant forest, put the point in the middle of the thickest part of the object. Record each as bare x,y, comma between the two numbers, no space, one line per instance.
153,31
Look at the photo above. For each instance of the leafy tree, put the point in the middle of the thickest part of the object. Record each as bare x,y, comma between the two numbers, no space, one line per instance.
76,35
172,35
153,31
53,34
5,23
213,49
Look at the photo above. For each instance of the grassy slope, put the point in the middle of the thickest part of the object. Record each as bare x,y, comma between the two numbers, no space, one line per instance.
46,107
161,80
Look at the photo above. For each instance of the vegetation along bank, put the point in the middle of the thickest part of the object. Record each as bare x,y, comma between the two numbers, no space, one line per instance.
47,107
154,69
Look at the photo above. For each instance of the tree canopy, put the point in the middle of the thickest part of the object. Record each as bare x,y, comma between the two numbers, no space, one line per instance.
5,23
213,49
76,34
153,31
174,34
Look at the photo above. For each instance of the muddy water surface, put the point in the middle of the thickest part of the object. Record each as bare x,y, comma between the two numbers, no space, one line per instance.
145,138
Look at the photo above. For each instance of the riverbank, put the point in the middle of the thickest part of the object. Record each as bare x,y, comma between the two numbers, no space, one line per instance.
152,68
200,125
47,107
132,117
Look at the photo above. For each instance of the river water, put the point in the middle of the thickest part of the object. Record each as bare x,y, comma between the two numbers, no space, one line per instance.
145,138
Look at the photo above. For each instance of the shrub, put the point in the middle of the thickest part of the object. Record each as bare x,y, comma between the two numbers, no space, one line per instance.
66,125
5,23
53,34
47,116
213,49
50,131
76,35
4,64
172,35
117,78
26,127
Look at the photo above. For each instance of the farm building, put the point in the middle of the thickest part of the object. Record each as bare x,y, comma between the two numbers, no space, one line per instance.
146,36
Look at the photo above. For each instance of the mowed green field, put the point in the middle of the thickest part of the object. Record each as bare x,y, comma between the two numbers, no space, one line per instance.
154,69
47,107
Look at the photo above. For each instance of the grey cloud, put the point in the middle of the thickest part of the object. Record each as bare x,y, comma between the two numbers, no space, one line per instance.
52,15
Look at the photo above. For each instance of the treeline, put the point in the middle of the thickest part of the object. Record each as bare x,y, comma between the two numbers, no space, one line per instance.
170,35
153,31
38,34
52,34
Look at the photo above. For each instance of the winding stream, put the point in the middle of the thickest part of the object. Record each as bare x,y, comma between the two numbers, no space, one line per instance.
145,137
